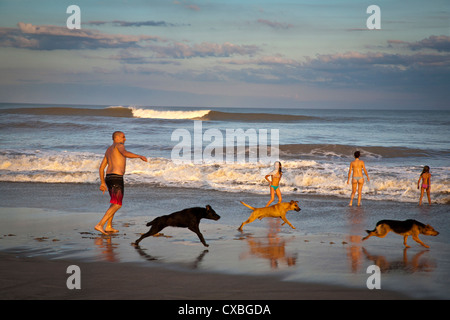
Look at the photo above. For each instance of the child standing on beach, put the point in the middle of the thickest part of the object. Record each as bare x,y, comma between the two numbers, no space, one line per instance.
275,183
426,184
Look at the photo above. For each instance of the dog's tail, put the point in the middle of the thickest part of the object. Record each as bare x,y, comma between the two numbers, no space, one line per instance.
369,231
150,223
250,207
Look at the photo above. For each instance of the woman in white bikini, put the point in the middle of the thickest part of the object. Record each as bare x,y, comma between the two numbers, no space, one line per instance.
358,179
275,183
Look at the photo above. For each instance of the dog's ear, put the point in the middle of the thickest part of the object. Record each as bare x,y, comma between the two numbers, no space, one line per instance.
208,207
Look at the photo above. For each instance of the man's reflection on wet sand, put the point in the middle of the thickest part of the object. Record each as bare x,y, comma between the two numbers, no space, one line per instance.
107,248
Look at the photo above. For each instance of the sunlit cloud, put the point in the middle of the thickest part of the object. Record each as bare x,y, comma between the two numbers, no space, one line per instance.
47,37
438,43
122,23
274,24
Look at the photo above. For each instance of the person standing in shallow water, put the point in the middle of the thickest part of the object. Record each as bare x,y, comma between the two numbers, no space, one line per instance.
357,166
426,184
275,183
115,162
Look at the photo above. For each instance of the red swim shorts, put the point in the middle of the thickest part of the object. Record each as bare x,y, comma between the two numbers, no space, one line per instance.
115,185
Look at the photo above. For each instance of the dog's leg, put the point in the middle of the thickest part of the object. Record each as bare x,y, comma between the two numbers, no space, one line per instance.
416,238
153,230
199,234
136,243
405,238
249,220
145,235
370,234
380,232
286,221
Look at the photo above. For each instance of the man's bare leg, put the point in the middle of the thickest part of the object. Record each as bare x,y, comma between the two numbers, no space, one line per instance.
108,218
109,227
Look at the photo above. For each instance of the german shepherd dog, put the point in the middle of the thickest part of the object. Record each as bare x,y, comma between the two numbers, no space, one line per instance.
405,228
278,210
187,218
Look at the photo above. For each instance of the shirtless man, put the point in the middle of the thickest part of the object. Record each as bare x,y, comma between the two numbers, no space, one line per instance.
358,179
115,160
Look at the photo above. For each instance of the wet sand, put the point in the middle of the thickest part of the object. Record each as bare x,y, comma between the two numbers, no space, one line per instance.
41,278
323,258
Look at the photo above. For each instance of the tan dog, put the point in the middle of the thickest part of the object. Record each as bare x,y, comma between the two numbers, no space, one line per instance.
405,228
276,211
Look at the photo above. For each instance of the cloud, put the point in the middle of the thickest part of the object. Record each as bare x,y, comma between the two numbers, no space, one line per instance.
363,70
122,23
264,60
135,58
438,43
186,5
180,50
47,37
274,24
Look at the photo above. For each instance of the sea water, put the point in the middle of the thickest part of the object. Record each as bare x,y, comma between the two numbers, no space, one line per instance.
65,144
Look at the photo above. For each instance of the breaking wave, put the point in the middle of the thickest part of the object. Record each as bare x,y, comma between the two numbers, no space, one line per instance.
345,151
300,176
135,112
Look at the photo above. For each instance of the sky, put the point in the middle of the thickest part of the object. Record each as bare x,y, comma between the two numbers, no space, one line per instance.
246,53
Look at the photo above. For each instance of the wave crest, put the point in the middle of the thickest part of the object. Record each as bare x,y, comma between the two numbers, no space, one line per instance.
346,152
148,113
167,114
299,177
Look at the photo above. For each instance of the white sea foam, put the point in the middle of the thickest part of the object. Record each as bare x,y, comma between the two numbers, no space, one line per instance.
167,114
300,176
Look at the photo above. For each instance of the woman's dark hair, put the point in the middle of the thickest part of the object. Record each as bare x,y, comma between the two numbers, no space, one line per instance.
280,167
426,169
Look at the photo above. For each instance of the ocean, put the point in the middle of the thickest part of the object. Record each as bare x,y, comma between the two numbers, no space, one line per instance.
65,143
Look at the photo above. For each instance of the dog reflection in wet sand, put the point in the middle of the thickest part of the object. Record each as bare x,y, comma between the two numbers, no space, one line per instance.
278,210
405,228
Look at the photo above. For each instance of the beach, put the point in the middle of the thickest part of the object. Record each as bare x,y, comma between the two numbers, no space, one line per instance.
323,258
192,106
50,203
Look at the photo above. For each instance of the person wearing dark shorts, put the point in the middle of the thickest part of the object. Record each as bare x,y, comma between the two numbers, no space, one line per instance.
115,185
114,162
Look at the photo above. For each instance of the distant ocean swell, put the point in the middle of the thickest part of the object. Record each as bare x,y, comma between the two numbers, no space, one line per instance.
135,112
344,151
300,176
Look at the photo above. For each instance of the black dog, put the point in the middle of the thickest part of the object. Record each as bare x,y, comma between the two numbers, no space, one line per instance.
187,218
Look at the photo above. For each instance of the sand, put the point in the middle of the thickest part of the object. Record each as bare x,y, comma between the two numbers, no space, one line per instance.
34,262
40,278
322,259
